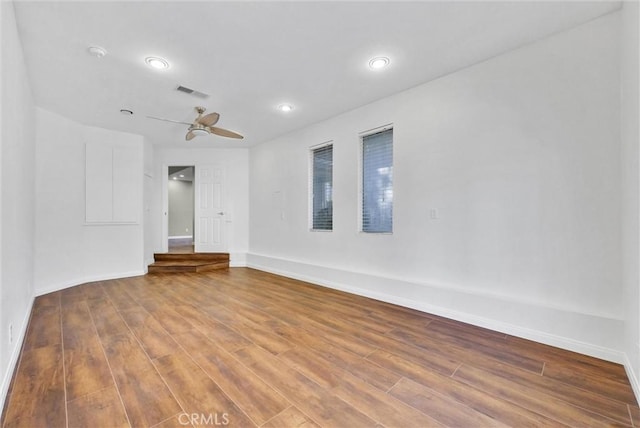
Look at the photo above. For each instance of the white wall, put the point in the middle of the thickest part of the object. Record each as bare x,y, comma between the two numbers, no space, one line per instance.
180,208
17,203
151,203
519,154
236,165
68,250
630,88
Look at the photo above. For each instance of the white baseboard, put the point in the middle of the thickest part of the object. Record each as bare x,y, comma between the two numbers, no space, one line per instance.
589,334
181,237
19,339
237,259
633,379
15,355
489,311
83,280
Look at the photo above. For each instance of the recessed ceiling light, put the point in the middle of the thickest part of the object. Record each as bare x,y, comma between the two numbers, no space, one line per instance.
181,175
157,63
379,62
126,112
285,107
96,51
175,178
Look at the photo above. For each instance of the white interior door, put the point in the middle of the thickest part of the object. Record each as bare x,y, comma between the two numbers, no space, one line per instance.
210,224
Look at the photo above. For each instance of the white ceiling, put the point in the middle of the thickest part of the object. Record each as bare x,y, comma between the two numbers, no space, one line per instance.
251,56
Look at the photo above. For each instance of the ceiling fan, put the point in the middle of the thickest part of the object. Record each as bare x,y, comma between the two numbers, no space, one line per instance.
203,125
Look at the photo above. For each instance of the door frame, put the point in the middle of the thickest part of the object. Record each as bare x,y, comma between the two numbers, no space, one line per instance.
165,202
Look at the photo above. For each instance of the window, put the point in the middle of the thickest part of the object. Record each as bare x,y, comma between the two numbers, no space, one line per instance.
377,182
322,188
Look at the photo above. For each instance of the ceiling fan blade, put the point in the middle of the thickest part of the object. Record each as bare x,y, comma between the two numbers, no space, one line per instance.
168,120
225,132
209,119
190,135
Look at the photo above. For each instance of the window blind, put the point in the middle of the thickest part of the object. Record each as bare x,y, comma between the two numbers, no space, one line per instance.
377,182
322,188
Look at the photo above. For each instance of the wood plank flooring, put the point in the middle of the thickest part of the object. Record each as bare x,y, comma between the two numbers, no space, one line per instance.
245,348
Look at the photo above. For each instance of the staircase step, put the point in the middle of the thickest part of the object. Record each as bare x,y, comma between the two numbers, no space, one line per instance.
189,262
210,257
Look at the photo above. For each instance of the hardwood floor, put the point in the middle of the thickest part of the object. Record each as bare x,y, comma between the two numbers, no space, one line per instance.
245,348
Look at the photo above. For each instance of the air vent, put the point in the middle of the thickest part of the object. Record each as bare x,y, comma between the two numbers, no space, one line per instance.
185,89
192,92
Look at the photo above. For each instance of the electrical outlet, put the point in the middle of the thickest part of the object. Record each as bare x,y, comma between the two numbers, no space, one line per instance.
10,332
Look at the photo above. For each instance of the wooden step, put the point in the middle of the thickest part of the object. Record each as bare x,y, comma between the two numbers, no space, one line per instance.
210,257
188,262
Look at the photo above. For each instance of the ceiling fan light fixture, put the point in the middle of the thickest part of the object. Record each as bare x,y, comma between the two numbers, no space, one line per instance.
199,131
379,62
157,63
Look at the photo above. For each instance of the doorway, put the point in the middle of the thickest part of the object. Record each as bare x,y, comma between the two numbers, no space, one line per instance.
181,218
204,228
